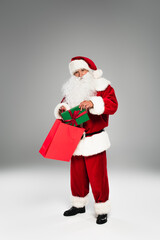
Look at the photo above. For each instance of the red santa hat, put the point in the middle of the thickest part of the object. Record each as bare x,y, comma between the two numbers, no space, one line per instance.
80,62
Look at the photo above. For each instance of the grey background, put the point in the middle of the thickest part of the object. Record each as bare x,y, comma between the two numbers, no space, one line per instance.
37,41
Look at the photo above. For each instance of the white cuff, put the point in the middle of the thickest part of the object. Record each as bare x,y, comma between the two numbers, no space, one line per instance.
103,207
79,201
56,110
98,107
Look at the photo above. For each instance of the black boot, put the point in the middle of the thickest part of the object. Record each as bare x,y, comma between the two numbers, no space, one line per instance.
101,219
73,211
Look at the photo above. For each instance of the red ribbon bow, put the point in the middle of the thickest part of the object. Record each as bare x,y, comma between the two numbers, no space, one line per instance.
74,116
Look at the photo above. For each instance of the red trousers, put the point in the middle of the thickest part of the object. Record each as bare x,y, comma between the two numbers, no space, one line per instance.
93,170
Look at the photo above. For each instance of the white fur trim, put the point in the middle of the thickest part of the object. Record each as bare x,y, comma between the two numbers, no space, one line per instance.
103,207
98,105
79,201
57,109
92,145
77,64
101,84
97,73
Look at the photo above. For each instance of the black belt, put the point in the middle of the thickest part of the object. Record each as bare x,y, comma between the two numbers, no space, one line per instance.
90,134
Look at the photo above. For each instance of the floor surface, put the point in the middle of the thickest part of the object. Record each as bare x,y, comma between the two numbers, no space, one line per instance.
33,200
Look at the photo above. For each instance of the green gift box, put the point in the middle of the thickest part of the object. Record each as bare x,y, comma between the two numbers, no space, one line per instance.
74,116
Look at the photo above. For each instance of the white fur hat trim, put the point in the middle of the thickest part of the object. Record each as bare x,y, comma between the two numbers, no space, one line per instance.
77,64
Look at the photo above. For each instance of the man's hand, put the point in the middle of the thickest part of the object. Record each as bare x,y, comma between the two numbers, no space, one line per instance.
62,109
86,105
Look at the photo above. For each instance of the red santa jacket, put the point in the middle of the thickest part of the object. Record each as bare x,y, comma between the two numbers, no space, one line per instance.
105,103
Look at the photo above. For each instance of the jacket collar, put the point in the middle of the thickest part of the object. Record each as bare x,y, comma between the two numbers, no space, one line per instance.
101,84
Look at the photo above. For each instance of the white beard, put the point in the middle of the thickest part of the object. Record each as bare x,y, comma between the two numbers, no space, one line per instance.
78,89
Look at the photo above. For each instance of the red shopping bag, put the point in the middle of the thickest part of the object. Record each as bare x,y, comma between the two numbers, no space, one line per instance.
61,141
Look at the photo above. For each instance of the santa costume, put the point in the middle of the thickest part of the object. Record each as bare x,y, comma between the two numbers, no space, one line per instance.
89,162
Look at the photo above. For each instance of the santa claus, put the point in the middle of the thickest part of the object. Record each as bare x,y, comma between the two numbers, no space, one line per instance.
88,89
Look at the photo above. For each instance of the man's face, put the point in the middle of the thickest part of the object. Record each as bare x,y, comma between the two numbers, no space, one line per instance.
80,72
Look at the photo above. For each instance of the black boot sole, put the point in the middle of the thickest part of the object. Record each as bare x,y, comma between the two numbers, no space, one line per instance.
101,222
